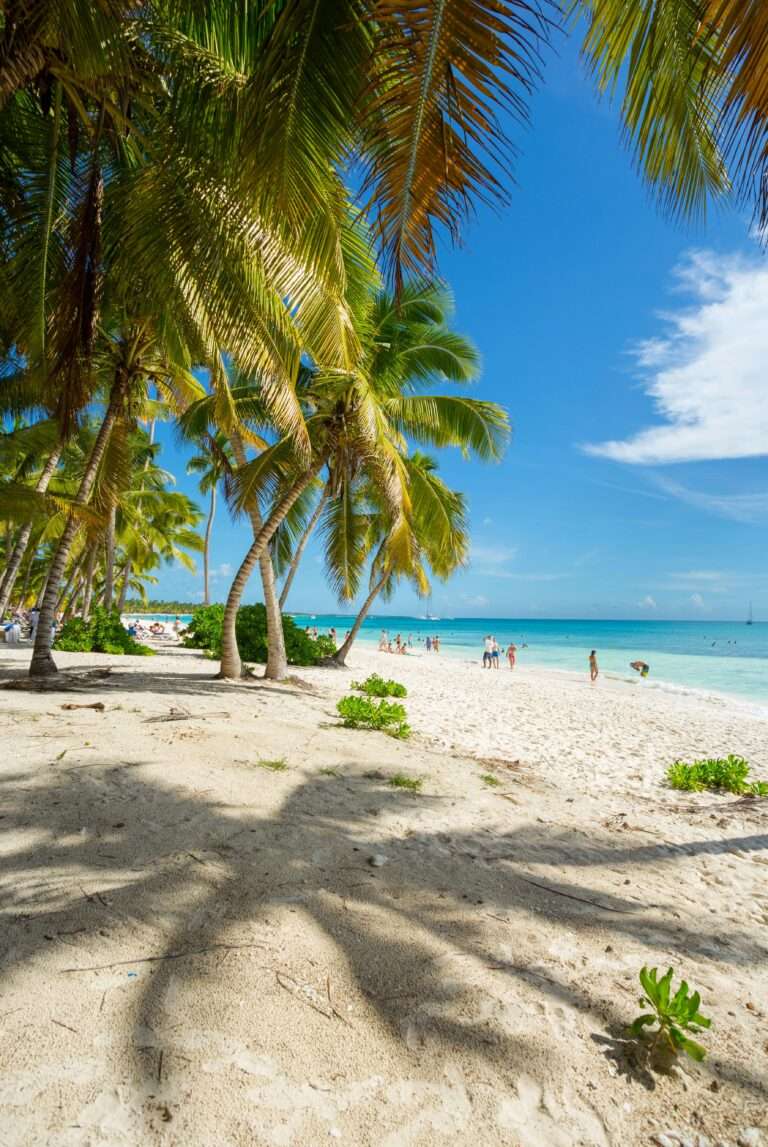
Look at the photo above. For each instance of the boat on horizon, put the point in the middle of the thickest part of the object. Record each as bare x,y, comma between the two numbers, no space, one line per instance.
750,619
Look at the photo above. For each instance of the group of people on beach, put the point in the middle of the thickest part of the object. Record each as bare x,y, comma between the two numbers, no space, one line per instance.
386,645
641,667
22,623
492,653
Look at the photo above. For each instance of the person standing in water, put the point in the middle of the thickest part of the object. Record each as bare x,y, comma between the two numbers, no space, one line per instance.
512,655
593,669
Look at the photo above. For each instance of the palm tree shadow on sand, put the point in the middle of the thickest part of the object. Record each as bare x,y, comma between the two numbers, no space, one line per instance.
399,932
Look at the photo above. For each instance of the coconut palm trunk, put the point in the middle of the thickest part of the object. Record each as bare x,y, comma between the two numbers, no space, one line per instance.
90,571
20,548
109,562
207,548
127,569
296,559
277,659
42,664
343,650
231,665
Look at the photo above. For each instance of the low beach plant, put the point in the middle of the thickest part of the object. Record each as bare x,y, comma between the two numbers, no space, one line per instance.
718,774
403,781
362,713
489,779
674,1015
376,686
277,765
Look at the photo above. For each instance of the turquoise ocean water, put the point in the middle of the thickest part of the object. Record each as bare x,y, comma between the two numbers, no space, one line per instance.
711,656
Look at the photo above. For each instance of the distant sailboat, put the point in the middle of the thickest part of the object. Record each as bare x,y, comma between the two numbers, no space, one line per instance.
749,619
429,616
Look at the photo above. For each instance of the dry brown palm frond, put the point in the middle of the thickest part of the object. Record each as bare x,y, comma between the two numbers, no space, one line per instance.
444,74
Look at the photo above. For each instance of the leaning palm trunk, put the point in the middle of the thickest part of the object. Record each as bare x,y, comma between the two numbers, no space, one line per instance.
19,550
277,660
109,565
231,665
42,663
341,653
124,587
90,570
207,547
295,560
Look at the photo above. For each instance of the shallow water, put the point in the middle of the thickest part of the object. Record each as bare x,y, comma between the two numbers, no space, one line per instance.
712,656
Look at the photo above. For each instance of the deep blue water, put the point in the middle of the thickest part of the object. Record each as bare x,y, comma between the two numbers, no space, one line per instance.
716,656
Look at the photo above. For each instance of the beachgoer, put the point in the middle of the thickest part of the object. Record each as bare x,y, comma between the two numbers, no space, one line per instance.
512,655
487,647
177,625
593,670
332,634
495,651
429,644
436,644
410,640
641,667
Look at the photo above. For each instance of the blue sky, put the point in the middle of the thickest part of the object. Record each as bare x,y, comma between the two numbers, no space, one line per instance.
631,353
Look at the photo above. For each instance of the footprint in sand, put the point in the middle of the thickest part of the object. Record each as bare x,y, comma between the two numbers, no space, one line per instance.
535,1117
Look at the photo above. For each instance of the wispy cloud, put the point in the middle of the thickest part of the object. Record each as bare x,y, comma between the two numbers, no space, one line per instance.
478,600
492,561
749,508
707,376
647,602
697,601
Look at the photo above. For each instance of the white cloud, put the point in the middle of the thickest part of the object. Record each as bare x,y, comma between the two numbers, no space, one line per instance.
697,600
478,600
748,508
647,602
707,376
491,561
224,570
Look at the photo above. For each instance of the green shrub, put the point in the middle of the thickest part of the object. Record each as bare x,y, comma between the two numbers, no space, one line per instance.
675,1015
362,713
724,774
375,686
205,629
104,632
489,779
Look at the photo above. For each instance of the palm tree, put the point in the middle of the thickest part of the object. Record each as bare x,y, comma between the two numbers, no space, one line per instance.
212,463
358,424
439,539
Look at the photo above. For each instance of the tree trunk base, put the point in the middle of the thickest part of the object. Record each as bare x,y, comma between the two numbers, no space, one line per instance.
42,665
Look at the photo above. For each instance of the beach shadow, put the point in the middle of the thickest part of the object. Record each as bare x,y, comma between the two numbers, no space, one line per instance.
220,875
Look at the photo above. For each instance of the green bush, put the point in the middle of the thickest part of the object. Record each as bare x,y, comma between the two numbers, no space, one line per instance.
205,629
724,774
362,713
104,632
375,686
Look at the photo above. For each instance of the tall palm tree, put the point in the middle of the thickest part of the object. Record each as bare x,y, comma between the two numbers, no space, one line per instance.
213,461
358,424
439,540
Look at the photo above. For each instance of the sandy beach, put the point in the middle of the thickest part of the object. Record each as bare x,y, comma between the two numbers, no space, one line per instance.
199,949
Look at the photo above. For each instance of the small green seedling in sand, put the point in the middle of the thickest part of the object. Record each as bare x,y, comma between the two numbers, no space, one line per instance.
278,765
403,781
676,1015
376,686
718,774
489,779
329,771
362,713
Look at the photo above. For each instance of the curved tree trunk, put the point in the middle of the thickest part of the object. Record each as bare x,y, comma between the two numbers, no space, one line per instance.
343,650
19,550
42,664
109,564
277,660
90,570
124,586
231,665
207,547
295,560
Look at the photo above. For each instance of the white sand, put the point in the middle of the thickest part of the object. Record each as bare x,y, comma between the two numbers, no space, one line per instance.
472,990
